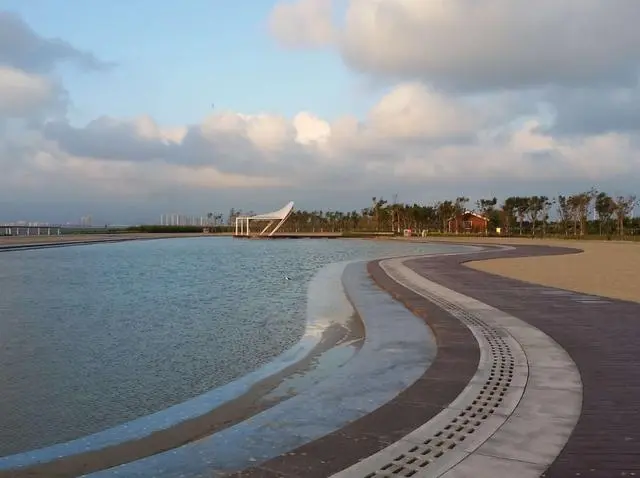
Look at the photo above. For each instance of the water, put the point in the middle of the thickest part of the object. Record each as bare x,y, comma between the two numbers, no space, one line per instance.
94,336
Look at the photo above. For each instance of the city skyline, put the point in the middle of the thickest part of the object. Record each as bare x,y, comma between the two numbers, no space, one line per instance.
323,102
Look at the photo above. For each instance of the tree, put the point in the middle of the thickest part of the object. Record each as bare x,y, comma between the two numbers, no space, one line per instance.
564,213
574,203
548,204
446,210
532,212
521,208
378,211
395,223
486,207
624,207
583,203
509,209
461,204
605,207
535,208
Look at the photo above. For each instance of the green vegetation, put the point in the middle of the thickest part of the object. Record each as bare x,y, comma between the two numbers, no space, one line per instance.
178,229
587,215
570,217
93,230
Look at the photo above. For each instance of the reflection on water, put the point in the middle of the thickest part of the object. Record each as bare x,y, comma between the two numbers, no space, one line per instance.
319,368
98,335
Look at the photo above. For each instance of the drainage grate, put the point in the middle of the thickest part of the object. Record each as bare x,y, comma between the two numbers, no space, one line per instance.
480,402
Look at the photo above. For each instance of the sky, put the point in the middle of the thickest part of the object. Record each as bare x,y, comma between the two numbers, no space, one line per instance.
129,110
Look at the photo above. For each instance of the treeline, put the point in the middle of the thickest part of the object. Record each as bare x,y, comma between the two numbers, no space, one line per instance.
155,229
575,215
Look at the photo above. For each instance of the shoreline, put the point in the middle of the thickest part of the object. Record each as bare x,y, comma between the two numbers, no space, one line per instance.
554,425
285,376
21,243
364,443
375,375
261,390
368,349
257,399
603,268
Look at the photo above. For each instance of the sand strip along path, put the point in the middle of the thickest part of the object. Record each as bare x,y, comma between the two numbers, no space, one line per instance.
605,268
599,334
35,242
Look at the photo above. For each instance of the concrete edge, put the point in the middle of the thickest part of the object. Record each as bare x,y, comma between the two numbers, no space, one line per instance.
522,437
374,376
164,420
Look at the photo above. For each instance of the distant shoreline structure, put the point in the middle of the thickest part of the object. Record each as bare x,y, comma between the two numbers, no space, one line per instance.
243,223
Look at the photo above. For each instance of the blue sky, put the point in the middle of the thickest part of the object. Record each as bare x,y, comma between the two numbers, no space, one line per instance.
174,59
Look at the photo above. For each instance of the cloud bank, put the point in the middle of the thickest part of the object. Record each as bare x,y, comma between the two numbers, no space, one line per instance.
480,96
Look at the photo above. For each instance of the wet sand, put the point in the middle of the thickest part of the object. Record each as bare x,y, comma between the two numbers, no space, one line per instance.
11,241
605,268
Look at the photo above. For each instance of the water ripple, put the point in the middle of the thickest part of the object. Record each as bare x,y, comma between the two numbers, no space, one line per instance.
95,336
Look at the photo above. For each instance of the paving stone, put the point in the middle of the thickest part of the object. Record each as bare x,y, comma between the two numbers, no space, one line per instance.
600,335
601,338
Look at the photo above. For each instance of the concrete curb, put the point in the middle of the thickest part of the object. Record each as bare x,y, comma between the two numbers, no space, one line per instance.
514,417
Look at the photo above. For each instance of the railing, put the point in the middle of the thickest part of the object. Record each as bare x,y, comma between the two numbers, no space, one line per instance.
29,231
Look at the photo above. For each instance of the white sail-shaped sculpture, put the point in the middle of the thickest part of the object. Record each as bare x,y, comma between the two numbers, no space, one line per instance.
281,215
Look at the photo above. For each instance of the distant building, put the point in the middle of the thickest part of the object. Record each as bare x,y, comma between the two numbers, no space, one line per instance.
468,222
182,220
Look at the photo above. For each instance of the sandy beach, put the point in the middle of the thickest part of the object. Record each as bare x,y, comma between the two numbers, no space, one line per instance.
605,268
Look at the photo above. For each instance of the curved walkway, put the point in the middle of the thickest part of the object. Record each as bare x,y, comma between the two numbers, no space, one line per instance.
512,419
600,337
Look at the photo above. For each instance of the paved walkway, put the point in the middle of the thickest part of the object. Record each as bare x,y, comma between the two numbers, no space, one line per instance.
600,335
448,375
514,416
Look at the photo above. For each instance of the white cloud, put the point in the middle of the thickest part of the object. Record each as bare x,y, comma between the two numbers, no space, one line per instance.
482,44
22,94
303,23
414,111
46,167
268,133
311,129
436,130
412,134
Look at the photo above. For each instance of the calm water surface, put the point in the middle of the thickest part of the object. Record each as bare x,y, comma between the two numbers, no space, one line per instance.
93,336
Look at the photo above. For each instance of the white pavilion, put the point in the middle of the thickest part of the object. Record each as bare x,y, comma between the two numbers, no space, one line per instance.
243,223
